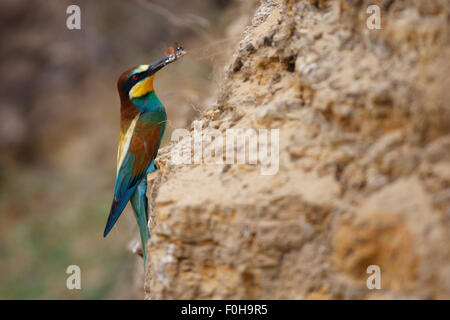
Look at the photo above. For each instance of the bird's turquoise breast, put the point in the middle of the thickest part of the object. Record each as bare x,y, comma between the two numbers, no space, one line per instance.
149,102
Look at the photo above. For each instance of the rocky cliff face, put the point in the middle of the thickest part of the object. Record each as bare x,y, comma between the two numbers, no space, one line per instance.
364,163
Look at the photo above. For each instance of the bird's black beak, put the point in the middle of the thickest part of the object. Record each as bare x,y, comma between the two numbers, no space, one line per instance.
158,65
161,63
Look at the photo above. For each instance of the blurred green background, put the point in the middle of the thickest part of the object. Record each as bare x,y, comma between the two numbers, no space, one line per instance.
59,131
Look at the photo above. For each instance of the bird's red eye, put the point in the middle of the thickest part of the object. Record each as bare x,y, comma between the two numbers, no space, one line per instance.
134,77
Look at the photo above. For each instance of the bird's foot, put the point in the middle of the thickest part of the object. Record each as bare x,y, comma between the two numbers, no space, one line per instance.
137,249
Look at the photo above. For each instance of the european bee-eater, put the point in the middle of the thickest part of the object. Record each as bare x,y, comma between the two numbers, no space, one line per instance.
142,123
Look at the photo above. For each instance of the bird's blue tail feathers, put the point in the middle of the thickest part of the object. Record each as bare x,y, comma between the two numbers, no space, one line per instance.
140,207
116,210
138,198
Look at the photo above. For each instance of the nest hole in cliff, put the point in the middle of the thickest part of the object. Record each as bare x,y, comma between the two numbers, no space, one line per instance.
289,62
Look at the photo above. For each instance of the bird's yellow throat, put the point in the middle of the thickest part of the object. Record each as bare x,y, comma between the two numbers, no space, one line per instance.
142,88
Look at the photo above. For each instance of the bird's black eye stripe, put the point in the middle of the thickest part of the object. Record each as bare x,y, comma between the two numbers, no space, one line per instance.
131,81
135,77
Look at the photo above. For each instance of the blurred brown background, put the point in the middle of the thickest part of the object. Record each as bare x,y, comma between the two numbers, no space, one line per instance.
59,129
